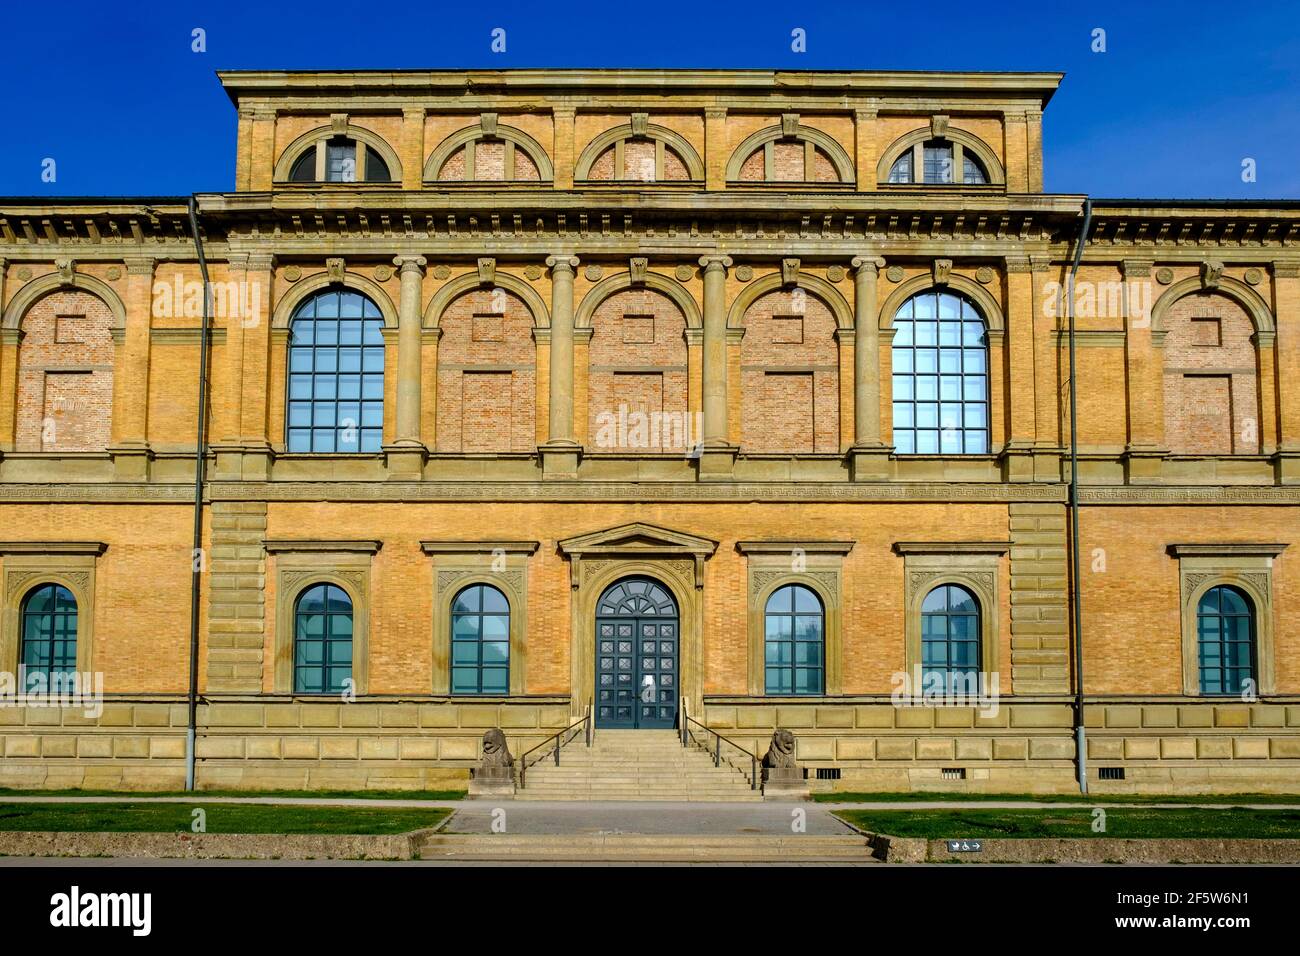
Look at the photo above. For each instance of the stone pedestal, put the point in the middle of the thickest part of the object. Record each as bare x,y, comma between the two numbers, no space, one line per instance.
405,460
492,782
131,462
1143,464
717,462
560,459
242,461
785,783
870,462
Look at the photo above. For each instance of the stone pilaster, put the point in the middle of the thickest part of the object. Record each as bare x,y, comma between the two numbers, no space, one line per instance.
241,444
1146,388
561,453
1040,643
130,448
717,455
407,454
236,597
412,147
715,148
869,456
1286,311
1017,456
564,147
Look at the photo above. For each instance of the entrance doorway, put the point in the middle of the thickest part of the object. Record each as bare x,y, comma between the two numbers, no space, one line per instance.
636,655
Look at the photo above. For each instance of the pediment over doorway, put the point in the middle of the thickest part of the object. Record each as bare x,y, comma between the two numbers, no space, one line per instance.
641,541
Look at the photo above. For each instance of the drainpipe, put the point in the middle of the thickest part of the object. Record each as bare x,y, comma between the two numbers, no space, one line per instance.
1080,735
200,460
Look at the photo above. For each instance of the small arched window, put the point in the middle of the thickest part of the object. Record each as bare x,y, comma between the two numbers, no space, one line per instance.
794,640
340,159
1225,640
950,640
49,638
489,151
480,641
940,376
322,640
336,374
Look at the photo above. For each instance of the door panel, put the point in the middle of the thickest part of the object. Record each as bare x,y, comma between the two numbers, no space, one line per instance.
636,656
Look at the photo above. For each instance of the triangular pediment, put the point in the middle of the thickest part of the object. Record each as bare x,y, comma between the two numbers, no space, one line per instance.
638,538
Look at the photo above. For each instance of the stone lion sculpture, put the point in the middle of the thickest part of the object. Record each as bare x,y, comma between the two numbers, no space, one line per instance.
496,753
780,752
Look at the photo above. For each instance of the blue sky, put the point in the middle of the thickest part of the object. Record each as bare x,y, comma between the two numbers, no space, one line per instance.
1181,96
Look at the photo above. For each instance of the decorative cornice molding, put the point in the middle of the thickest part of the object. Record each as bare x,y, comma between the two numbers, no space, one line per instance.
278,545
951,547
1226,549
478,547
53,547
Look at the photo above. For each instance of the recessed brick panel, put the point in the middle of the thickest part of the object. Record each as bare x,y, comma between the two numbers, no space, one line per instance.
490,331
775,414
637,361
1211,381
65,388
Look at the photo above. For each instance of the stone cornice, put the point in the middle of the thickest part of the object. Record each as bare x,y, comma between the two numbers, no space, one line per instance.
278,545
478,547
53,547
1228,548
790,545
952,547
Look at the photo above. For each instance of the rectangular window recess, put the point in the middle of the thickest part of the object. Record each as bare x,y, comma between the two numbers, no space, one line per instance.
953,773
1110,773
828,773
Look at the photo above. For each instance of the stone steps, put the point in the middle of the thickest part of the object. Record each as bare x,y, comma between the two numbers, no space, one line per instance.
639,848
635,765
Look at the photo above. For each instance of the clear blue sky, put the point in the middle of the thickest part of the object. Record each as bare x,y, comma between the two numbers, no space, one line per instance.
1183,93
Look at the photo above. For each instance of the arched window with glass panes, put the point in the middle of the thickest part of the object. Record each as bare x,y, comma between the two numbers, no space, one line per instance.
794,628
950,641
1225,638
336,374
480,641
48,655
940,376
322,640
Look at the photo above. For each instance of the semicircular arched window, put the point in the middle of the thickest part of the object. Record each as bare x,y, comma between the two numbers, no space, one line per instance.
794,641
322,640
950,640
336,374
339,159
946,156
940,376
480,641
790,153
1225,641
489,151
49,638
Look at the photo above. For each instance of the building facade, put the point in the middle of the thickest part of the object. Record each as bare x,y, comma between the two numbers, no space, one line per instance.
739,394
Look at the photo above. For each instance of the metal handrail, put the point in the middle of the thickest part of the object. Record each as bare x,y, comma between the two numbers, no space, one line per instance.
716,750
588,731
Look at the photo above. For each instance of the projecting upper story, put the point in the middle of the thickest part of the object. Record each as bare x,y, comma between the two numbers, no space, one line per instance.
747,130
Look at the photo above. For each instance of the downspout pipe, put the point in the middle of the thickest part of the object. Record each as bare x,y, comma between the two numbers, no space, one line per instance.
1080,735
197,558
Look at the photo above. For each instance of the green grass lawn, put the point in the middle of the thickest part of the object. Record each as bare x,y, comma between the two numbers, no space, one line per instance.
1232,799
207,794
1123,823
221,818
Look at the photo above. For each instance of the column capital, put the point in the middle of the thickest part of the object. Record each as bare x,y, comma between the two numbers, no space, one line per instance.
715,112
261,261
715,262
1281,270
140,265
868,264
562,263
1136,268
1016,264
409,263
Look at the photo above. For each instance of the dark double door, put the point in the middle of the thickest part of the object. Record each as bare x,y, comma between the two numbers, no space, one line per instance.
636,656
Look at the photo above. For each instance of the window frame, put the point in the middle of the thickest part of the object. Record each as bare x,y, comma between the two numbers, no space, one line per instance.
793,615
55,637
479,639
299,640
31,564
1223,642
947,614
315,143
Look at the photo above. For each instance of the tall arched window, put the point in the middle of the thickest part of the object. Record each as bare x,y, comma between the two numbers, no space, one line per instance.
336,374
49,638
794,637
950,640
480,641
322,640
941,385
1225,640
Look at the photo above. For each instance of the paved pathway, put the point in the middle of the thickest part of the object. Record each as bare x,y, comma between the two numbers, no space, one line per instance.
659,818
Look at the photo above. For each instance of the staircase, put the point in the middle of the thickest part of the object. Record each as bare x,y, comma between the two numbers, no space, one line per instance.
637,848
636,765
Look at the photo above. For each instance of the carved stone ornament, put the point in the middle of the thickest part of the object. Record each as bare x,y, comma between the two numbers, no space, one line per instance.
835,273
441,272
24,273
496,752
984,275
744,273
780,752
1164,275
593,272
292,274
640,123
487,270
684,273
66,269
894,273
533,273
1253,276
938,126
1211,273
637,268
789,271
383,273
114,273
942,270
334,269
